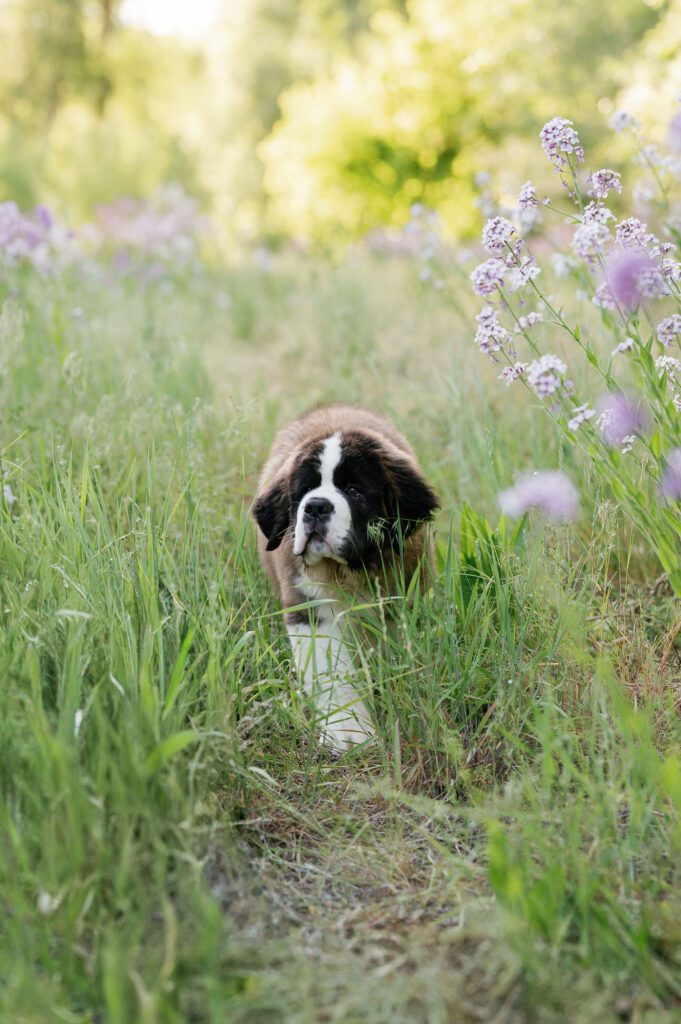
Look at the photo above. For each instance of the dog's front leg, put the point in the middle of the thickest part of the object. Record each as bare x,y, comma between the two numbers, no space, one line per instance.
323,661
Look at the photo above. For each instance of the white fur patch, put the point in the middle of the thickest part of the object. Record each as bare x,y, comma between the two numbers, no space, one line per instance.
324,662
340,521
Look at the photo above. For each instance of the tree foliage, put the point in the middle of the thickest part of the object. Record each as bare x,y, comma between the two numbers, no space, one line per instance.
316,118
433,94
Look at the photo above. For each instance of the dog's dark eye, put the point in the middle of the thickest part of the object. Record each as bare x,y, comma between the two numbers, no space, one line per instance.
353,492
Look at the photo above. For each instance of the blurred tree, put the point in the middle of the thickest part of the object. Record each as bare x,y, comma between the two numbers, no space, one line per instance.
79,93
318,118
651,81
59,54
271,45
428,96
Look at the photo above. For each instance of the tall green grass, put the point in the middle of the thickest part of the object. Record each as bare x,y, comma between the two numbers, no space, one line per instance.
175,845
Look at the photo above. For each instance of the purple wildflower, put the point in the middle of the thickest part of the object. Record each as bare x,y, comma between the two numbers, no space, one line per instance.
524,272
527,321
619,417
166,227
29,237
603,182
490,334
43,216
488,276
558,138
644,191
671,163
632,233
495,235
668,365
545,375
511,373
670,482
671,269
550,492
595,211
632,276
603,298
589,239
624,346
527,199
580,415
669,329
648,155
561,264
620,121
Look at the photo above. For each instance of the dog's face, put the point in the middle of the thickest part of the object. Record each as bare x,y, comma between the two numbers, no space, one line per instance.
348,498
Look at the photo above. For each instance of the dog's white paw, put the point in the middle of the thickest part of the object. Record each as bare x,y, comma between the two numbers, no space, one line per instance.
346,731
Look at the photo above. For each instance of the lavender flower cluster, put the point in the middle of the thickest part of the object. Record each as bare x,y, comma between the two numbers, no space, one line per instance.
32,238
627,268
162,230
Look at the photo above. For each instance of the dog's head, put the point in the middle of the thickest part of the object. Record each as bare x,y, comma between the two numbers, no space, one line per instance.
347,497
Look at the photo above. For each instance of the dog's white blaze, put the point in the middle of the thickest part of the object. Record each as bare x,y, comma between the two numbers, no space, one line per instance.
341,518
322,657
323,662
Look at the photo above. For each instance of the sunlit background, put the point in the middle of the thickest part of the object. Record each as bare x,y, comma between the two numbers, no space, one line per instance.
193,20
318,120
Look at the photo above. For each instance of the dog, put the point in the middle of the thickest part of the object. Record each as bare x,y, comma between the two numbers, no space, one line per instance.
342,501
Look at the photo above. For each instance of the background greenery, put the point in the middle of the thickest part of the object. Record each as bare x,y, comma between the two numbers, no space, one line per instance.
174,845
316,119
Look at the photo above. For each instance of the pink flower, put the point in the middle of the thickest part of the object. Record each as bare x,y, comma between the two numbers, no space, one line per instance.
550,492
619,417
558,138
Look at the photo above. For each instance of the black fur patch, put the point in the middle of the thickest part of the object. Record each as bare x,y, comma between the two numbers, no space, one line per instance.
276,509
388,497
271,512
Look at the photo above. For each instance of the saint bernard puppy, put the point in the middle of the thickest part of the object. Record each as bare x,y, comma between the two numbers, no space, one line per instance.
341,502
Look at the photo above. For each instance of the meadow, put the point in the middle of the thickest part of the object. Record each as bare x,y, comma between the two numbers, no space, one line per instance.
176,846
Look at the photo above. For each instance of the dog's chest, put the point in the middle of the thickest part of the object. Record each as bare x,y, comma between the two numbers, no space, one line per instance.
327,582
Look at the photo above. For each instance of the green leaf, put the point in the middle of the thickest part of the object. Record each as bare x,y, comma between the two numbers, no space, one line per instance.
655,443
167,748
178,671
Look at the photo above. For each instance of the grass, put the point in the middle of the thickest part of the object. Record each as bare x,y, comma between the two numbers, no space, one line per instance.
175,845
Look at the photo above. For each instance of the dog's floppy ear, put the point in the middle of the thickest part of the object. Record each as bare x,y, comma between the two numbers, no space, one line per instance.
271,513
411,499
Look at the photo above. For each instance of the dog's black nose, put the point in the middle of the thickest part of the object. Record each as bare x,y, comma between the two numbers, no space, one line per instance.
318,508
